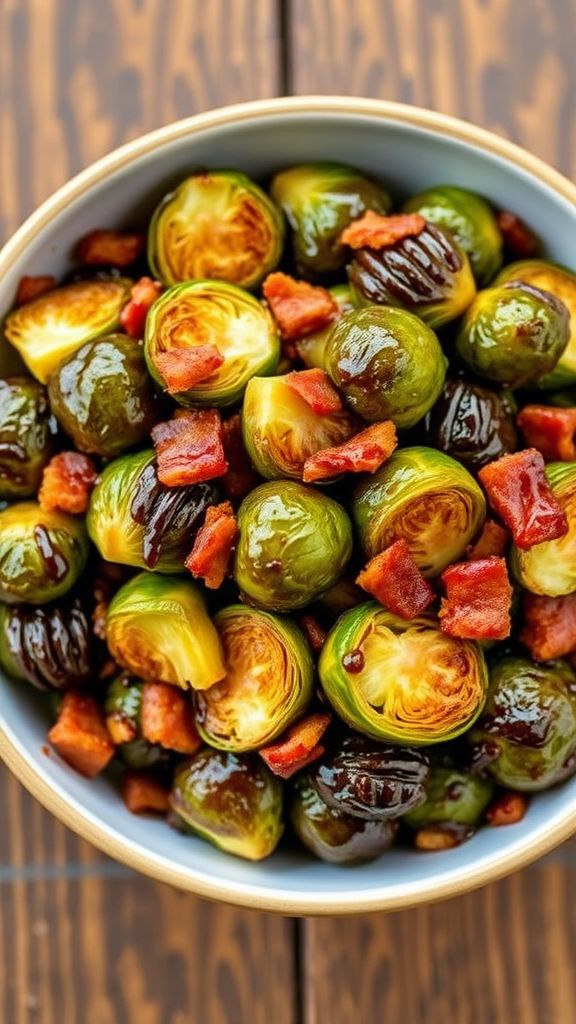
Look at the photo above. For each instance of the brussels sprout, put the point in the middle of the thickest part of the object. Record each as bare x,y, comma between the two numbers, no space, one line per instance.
429,275
209,312
217,225
528,729
234,801
470,219
42,554
312,348
513,334
50,647
387,363
133,519
550,568
424,497
453,796
268,682
401,682
294,544
473,424
25,436
124,702
334,836
53,326
157,627
319,201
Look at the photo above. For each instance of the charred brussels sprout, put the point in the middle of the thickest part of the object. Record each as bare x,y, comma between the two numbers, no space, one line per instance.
387,363
425,498
25,436
42,554
550,568
233,801
454,797
312,348
219,225
53,326
319,201
294,544
473,424
122,706
401,682
50,647
212,313
157,628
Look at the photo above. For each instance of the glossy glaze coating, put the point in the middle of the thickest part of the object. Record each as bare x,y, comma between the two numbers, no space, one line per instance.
452,796
334,836
42,554
472,423
26,432
550,568
50,646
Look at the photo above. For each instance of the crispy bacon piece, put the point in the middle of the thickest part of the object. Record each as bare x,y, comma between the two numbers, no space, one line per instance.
519,240
189,448
316,635
299,308
80,735
33,287
241,477
120,728
394,579
493,540
550,430
143,295
67,482
143,793
377,231
317,390
183,368
110,248
477,602
214,544
363,453
507,809
549,629
99,619
518,491
166,718
299,747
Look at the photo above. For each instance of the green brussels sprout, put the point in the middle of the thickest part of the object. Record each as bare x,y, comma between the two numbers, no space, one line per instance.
473,424
424,497
550,568
387,363
123,703
453,796
232,800
470,219
42,554
312,348
268,682
134,519
320,200
51,327
217,225
513,334
526,736
102,396
157,628
26,433
50,646
430,275
210,312
294,544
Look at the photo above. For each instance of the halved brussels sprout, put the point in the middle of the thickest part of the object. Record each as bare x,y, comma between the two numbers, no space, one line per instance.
53,326
320,200
312,348
425,498
281,431
234,801
42,554
401,682
453,796
268,682
50,647
26,433
472,423
294,544
211,312
550,568
217,225
123,702
470,219
158,628
387,363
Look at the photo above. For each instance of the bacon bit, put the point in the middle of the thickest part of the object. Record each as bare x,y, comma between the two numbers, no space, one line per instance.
299,747
519,240
166,718
549,629
444,836
478,599
121,729
33,287
316,635
99,619
143,295
80,735
67,482
189,448
493,541
299,308
183,368
550,430
317,390
143,793
241,477
110,248
363,453
507,809
519,492
394,579
376,231
210,556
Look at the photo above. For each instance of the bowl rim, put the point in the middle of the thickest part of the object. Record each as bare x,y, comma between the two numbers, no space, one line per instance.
56,800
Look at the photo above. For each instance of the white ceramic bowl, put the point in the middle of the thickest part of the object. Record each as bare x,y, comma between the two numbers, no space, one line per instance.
410,149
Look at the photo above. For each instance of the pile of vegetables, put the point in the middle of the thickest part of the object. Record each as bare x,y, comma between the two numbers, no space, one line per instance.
288,512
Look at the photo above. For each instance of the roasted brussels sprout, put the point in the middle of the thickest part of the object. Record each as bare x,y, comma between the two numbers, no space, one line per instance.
232,800
550,568
209,312
294,544
472,423
26,433
527,733
217,225
157,627
50,647
424,497
319,201
401,682
42,554
123,702
453,796
311,349
53,326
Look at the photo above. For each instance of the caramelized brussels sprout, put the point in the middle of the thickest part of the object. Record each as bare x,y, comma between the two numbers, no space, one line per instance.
425,498
319,201
158,628
234,801
124,702
42,554
53,326
294,544
312,348
217,225
209,312
50,647
453,796
473,424
387,363
25,436
550,568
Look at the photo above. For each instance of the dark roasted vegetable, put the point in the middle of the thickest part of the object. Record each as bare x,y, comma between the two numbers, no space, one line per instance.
50,647
26,431
472,423
42,554
453,796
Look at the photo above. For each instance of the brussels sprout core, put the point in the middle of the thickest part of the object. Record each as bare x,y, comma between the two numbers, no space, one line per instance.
42,554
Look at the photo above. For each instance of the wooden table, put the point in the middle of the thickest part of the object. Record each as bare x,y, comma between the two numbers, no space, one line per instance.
82,939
